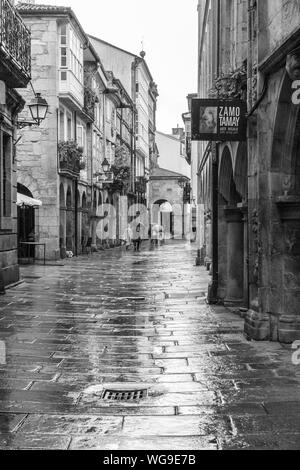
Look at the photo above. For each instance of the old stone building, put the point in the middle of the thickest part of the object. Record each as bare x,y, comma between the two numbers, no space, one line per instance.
137,79
91,122
15,65
249,190
54,159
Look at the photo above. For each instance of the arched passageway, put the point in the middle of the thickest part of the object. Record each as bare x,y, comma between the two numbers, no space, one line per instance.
26,225
232,260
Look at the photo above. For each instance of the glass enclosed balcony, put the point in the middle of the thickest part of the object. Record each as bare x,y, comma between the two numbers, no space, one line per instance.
15,47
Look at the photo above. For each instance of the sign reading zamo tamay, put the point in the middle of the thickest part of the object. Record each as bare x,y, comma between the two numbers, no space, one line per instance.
219,120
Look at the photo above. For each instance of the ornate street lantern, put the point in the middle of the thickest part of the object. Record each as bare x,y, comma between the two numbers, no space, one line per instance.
38,108
106,166
182,183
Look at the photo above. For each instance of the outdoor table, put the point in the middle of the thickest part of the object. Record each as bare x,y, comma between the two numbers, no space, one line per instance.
35,244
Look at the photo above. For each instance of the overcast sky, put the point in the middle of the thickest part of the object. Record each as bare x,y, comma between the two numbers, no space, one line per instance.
169,31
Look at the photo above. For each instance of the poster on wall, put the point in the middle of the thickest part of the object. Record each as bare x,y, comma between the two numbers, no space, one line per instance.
219,120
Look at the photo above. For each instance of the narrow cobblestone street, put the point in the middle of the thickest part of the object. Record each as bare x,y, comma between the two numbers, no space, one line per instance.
123,320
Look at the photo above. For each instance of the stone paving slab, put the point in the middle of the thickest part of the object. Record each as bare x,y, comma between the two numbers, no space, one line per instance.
144,443
125,320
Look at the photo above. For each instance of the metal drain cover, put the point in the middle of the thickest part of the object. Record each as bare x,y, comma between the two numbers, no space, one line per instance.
124,395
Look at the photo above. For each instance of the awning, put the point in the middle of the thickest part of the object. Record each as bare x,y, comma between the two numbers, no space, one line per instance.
23,200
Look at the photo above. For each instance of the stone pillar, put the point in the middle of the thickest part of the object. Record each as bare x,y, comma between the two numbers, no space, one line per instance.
244,209
287,317
94,222
222,252
62,233
208,239
235,256
79,231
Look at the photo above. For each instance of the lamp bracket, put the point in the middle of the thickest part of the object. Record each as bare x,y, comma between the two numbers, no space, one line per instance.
23,124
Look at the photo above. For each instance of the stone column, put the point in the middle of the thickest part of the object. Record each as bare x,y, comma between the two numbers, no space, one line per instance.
235,256
62,233
208,239
287,315
93,233
244,210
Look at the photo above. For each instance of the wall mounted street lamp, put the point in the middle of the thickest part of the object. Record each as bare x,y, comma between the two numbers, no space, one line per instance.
38,108
182,183
106,166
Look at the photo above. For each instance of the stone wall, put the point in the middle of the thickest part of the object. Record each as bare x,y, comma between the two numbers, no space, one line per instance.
37,150
278,20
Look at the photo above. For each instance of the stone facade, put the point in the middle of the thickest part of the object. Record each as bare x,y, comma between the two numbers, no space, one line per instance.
134,73
37,148
15,65
258,215
90,117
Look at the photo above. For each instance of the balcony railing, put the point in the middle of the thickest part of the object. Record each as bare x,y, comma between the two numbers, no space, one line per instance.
90,99
71,160
15,46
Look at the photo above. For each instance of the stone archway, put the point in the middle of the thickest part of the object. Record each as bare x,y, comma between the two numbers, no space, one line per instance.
26,225
284,204
231,235
163,214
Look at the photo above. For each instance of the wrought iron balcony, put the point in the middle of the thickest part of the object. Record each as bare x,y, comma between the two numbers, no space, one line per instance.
71,160
90,99
15,47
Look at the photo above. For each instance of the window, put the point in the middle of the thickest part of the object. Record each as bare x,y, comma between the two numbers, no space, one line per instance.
6,173
69,126
76,54
63,46
71,52
63,34
63,57
81,137
61,125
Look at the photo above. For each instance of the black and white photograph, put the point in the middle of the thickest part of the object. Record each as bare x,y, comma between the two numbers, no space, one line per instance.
208,120
149,228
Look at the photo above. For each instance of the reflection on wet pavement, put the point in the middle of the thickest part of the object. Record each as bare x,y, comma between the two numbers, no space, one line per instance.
132,321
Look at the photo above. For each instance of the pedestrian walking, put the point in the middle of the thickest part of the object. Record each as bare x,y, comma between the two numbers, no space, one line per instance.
127,237
138,236
157,235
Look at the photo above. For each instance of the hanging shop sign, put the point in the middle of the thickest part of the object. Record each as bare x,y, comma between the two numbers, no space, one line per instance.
219,120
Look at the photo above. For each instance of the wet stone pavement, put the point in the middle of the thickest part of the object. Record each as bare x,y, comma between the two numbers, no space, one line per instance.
123,321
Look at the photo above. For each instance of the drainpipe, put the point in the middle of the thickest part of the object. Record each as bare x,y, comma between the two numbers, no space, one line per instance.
213,289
